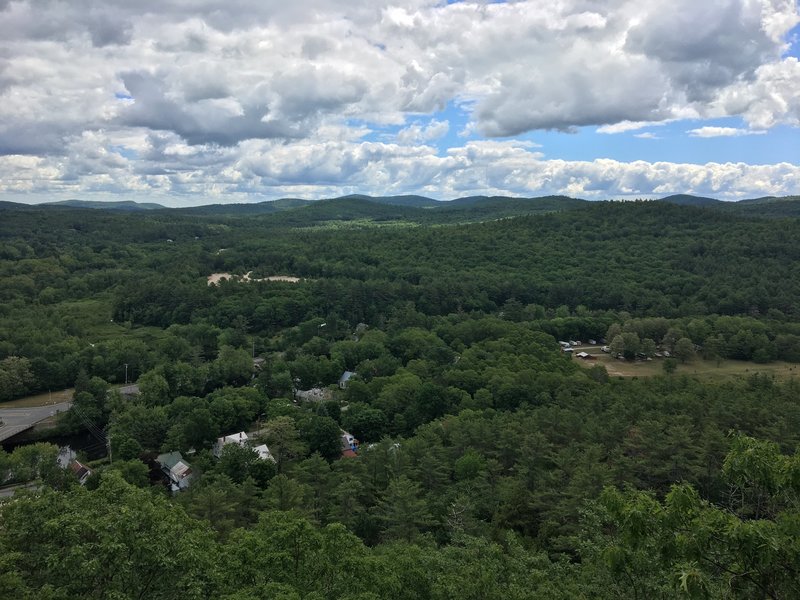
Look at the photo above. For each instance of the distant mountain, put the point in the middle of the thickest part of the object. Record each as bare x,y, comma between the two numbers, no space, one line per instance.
347,208
538,204
5,205
767,207
245,209
127,205
689,200
769,200
410,201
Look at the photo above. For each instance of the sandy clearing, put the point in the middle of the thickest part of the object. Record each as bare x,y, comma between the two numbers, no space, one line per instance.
215,278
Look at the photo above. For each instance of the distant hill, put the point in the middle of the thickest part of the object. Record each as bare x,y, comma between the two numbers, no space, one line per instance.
410,201
689,200
416,209
127,205
5,205
769,200
347,208
541,202
768,207
245,208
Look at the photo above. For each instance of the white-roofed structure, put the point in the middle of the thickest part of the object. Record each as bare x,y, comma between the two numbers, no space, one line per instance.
264,453
235,438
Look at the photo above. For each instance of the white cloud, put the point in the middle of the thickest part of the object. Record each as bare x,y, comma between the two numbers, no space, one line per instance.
625,126
212,83
416,132
173,172
646,135
710,132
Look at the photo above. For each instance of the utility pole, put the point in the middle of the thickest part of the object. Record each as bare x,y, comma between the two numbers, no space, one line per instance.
126,373
110,456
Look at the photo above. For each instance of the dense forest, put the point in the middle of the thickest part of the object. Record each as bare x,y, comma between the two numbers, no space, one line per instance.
490,463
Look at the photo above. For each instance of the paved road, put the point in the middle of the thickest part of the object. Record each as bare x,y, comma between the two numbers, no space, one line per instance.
17,420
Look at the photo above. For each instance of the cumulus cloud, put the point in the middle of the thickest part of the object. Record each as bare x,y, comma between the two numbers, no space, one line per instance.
418,133
196,90
168,169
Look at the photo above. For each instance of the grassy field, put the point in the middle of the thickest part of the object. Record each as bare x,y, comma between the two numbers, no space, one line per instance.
93,317
706,369
39,399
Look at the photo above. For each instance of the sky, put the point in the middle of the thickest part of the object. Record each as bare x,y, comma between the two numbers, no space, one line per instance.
209,101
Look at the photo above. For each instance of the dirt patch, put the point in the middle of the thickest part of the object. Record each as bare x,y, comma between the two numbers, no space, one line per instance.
215,278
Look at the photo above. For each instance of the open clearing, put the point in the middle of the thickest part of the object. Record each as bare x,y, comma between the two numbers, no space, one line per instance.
215,278
707,369
44,399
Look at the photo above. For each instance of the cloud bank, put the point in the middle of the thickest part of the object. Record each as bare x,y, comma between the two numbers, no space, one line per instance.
262,98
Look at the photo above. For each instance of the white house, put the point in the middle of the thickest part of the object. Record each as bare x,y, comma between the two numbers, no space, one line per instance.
264,453
234,438
345,378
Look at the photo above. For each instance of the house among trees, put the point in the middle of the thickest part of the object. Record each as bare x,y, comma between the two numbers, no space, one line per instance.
345,378
349,445
235,438
81,471
68,459
264,453
177,470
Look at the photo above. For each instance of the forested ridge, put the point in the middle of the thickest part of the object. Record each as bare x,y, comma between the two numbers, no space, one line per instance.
490,465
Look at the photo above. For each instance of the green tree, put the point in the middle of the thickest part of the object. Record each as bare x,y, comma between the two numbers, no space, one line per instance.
404,511
283,440
16,377
323,435
684,350
125,542
153,389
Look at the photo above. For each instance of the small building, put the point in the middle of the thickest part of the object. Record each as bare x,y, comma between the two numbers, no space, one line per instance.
585,356
235,438
349,445
264,453
345,378
177,470
81,471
